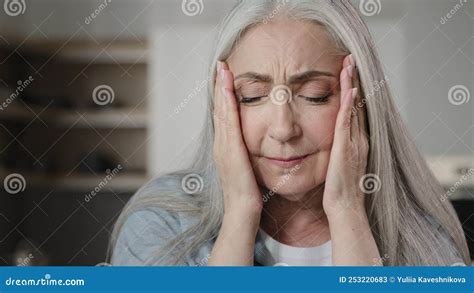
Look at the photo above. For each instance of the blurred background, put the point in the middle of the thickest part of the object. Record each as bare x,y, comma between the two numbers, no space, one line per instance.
97,97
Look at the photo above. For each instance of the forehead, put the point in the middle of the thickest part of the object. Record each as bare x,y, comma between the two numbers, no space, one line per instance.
284,45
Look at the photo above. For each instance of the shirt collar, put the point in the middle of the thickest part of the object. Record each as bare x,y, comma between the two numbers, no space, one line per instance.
261,252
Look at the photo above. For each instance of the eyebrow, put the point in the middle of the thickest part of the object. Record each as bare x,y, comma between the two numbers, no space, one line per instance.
297,78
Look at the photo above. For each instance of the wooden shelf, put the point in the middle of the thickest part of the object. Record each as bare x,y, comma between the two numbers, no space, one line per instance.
123,182
87,51
108,118
107,59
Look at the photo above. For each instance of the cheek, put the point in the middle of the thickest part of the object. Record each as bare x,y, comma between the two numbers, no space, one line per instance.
319,128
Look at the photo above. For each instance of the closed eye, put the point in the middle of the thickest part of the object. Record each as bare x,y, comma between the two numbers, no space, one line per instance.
317,100
314,100
250,100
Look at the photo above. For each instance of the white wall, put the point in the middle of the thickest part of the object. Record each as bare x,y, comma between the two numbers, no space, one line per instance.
439,56
178,91
178,79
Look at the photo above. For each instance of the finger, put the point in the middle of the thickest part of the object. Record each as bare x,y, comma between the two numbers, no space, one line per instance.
343,117
232,111
359,103
349,83
345,77
355,118
219,107
360,123
343,120
218,84
225,66
228,83
347,60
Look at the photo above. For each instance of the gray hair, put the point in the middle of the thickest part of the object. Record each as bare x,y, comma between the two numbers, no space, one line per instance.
407,213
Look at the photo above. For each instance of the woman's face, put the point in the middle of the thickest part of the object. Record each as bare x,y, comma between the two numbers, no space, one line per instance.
300,56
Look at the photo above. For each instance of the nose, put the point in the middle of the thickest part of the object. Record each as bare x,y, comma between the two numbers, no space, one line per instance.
283,125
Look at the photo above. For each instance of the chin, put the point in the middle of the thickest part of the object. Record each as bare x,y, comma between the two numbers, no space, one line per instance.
292,187
289,197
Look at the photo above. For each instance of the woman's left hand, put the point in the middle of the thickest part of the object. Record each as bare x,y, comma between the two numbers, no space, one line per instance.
352,239
348,159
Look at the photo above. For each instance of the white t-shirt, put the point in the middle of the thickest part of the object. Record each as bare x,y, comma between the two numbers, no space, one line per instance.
286,255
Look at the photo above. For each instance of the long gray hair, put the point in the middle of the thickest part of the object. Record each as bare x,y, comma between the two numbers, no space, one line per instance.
409,210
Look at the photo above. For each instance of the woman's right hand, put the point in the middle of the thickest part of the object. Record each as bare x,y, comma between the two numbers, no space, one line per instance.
241,192
243,203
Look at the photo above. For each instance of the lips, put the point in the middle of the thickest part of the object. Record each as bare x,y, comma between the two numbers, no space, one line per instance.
286,162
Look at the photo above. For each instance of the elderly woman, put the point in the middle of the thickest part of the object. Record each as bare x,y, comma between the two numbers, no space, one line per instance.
304,159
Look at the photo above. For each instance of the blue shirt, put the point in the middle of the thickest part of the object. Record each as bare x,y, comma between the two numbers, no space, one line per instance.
148,230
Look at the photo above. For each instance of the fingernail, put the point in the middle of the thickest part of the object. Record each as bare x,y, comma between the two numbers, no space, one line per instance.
350,70
354,93
351,59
